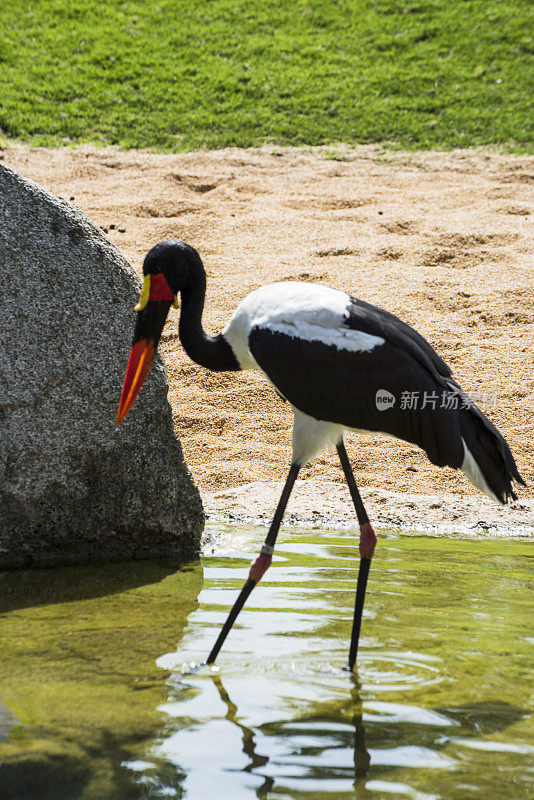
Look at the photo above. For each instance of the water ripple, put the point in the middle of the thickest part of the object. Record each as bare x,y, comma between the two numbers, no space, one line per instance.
280,717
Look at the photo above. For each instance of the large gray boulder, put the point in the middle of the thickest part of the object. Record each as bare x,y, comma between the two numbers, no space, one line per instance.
72,487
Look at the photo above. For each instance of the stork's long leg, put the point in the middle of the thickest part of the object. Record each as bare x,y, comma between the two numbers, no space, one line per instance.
260,565
367,546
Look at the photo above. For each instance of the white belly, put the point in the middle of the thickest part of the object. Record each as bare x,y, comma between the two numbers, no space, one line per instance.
312,436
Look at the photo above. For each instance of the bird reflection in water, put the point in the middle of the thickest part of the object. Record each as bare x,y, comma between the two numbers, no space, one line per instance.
256,761
362,758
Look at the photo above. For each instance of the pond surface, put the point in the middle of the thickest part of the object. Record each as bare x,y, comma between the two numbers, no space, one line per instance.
94,705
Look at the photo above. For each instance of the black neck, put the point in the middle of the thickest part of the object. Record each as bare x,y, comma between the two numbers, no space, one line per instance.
212,352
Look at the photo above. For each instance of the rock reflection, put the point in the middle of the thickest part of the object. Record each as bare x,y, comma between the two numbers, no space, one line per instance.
77,674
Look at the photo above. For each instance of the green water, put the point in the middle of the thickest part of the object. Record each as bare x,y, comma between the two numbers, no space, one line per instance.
93,705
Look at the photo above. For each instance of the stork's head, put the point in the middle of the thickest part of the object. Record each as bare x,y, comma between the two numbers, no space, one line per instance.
169,268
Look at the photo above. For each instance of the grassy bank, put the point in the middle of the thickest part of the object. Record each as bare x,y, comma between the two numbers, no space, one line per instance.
175,75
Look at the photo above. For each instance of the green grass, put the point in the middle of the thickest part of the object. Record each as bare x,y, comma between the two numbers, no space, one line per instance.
177,74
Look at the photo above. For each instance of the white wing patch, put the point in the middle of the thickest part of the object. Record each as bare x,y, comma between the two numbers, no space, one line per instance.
342,338
300,310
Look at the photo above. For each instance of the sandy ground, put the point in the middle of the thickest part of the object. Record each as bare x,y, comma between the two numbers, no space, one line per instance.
443,240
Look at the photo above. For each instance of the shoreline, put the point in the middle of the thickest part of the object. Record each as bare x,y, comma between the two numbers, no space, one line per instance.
325,504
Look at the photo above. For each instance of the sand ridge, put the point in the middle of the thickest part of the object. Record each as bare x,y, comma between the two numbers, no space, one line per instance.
443,240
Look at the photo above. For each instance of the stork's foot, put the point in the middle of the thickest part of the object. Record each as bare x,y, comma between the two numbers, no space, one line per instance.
367,540
259,566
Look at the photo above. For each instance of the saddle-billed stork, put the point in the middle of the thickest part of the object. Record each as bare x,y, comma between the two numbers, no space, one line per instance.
342,364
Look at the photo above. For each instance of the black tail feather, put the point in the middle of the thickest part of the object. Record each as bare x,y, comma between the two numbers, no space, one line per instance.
490,453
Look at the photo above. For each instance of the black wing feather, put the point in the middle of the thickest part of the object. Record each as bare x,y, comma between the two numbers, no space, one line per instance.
340,386
371,319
